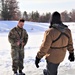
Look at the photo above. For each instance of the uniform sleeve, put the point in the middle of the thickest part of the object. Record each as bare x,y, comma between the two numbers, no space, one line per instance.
45,45
11,38
25,38
70,44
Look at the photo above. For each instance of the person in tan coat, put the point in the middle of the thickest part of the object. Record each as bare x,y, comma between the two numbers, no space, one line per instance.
57,40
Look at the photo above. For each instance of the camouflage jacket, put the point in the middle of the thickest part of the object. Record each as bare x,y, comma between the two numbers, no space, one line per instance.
17,34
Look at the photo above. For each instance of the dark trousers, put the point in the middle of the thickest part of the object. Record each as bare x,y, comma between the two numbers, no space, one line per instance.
51,69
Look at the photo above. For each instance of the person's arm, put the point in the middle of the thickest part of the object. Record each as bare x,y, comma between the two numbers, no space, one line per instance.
25,38
45,45
70,48
70,44
12,38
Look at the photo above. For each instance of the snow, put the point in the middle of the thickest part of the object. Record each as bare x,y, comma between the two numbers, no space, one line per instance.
35,31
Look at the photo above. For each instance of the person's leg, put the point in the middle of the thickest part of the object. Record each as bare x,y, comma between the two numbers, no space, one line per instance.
15,57
45,72
21,57
51,69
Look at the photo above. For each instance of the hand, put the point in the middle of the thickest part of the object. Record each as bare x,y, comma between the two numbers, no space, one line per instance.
37,60
71,57
23,44
18,43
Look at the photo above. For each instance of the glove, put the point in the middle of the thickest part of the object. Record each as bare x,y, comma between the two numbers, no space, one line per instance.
71,57
37,60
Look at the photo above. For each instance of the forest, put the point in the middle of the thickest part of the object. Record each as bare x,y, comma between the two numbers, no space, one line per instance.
9,10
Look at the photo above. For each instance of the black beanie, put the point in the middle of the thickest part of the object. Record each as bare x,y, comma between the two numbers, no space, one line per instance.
56,15
56,18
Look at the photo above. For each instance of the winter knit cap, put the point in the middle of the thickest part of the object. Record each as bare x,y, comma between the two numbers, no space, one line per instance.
56,19
56,15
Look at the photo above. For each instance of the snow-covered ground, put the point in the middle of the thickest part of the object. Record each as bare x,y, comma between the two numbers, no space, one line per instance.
35,31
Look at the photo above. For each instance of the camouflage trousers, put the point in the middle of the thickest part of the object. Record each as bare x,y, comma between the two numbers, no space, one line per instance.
17,58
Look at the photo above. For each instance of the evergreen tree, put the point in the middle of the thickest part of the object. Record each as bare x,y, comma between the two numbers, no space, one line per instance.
9,9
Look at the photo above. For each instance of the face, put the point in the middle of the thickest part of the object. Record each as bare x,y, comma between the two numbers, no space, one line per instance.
21,24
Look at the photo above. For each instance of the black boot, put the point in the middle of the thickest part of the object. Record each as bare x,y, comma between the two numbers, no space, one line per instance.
21,73
15,73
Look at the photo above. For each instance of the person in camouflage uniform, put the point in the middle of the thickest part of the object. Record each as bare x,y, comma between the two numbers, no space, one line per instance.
18,38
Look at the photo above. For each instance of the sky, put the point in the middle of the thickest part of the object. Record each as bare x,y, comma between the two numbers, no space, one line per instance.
43,6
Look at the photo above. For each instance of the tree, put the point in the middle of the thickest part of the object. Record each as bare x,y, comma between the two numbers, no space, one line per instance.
2,4
5,11
25,15
13,8
42,18
1,7
18,15
72,14
35,16
45,17
48,16
65,16
9,9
